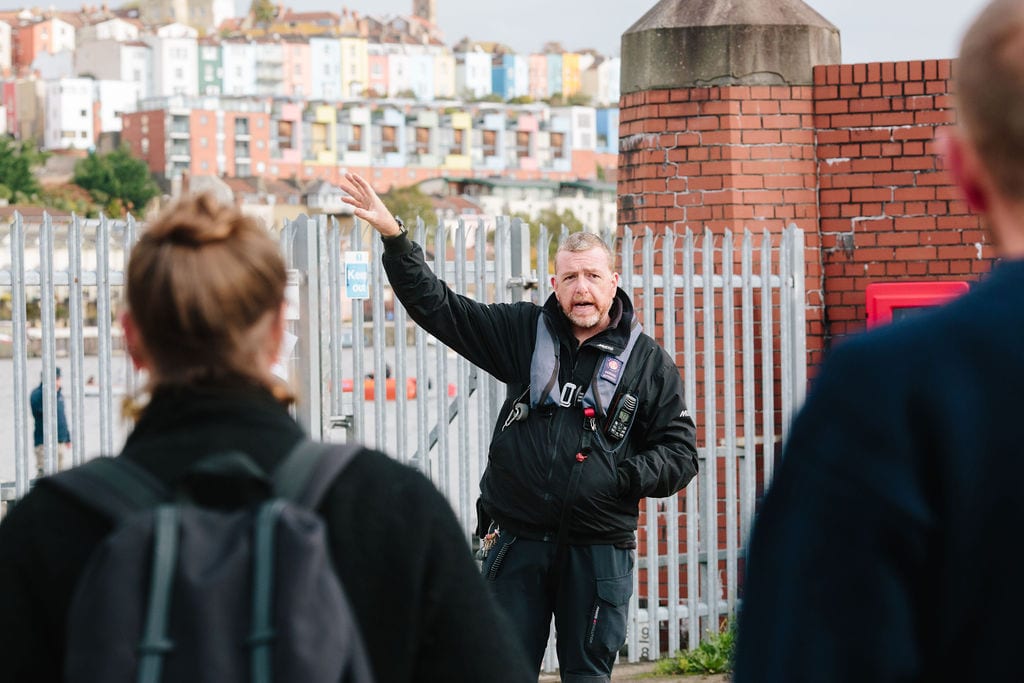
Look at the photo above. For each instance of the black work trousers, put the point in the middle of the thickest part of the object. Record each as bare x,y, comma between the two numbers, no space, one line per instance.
588,596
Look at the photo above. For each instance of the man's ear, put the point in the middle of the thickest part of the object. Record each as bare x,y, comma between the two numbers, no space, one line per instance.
133,341
966,168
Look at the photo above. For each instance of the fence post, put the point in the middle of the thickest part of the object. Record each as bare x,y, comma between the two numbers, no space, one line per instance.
19,330
305,257
794,330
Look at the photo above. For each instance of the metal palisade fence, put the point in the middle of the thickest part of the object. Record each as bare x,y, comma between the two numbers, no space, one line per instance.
744,381
729,308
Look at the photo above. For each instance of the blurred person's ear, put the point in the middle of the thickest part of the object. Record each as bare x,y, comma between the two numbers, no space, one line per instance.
965,166
133,342
275,336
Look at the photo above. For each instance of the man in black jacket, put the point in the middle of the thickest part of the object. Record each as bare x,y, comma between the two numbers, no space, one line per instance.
594,420
888,546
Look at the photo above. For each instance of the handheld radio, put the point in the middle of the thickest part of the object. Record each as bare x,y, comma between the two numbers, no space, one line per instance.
621,417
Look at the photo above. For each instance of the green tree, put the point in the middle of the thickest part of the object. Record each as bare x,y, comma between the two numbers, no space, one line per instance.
17,160
553,220
410,203
117,181
263,12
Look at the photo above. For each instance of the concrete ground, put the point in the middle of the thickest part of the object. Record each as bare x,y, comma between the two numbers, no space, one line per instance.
644,671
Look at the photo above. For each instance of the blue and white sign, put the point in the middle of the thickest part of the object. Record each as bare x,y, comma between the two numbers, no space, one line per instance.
357,274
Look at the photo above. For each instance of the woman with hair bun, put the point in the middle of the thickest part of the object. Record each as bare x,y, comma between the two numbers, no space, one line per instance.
205,320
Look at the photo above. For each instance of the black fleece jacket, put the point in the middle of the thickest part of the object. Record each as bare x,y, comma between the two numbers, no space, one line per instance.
423,609
530,462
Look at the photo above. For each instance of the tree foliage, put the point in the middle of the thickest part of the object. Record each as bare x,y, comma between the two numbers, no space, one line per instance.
263,12
553,220
117,181
17,161
410,203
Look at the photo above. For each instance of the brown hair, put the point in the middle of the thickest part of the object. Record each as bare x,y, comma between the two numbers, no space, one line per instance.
585,241
989,78
204,285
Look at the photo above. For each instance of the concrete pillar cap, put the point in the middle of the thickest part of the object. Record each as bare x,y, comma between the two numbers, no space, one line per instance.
696,43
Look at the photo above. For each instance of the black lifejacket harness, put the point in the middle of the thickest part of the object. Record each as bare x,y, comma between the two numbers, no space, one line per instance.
596,398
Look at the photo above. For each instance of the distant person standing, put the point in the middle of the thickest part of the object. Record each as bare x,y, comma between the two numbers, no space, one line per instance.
63,435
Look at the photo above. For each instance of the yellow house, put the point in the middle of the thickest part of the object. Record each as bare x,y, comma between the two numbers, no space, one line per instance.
572,79
323,135
456,136
355,66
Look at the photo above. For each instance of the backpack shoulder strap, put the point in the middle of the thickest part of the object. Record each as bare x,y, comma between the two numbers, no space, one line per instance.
114,487
308,471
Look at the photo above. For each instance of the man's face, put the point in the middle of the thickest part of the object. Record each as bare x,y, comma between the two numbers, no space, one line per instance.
585,288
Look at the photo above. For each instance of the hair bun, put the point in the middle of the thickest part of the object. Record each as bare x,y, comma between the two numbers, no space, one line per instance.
208,221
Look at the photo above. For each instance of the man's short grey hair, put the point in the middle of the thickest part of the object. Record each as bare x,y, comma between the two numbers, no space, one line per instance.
989,77
585,241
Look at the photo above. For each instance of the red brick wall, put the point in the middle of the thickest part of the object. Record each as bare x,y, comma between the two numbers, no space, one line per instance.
888,208
728,157
722,158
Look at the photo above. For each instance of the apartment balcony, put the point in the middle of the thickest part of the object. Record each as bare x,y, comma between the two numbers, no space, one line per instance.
265,74
178,131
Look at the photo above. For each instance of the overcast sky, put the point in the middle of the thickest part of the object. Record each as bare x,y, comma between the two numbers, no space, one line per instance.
871,30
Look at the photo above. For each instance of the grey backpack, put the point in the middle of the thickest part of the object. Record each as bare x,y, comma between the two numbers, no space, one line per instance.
228,579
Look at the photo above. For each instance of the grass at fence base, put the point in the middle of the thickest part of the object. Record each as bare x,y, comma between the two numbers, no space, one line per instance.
713,656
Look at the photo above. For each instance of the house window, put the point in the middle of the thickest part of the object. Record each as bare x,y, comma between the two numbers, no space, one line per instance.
522,144
389,144
558,145
490,143
284,134
458,135
422,140
319,138
355,143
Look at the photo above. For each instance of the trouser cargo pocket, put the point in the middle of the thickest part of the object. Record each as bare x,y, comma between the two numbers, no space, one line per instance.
607,630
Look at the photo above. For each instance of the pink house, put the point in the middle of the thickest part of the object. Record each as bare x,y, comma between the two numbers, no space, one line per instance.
538,65
298,67
526,129
378,81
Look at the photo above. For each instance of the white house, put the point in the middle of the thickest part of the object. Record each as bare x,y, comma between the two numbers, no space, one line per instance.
115,61
601,82
325,64
114,98
175,56
400,70
473,73
68,118
270,75
444,75
239,67
52,67
582,126
114,28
